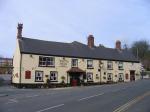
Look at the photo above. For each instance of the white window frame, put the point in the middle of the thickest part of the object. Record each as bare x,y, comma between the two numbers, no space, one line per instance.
109,65
109,78
46,61
89,63
89,76
120,66
120,77
39,76
74,64
53,76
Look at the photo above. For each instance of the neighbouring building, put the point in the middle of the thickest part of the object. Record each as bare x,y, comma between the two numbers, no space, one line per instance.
35,61
6,65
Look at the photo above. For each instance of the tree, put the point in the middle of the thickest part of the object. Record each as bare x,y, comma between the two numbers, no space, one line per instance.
141,49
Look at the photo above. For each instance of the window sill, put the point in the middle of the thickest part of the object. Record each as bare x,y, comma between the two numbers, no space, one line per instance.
53,81
47,66
90,67
109,68
120,69
39,81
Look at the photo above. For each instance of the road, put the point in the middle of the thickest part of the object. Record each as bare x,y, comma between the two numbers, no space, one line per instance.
122,97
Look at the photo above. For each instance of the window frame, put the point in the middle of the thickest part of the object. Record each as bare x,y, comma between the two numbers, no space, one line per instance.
41,77
109,63
76,63
91,73
56,76
111,74
90,67
120,67
122,77
46,61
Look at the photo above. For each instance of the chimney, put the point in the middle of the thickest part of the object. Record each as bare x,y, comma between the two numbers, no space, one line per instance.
20,27
118,45
90,41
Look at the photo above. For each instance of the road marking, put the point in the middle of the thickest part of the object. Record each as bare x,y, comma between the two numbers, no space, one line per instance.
12,101
129,104
86,98
56,106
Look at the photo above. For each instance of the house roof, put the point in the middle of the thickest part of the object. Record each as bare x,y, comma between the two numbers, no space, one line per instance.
74,49
75,70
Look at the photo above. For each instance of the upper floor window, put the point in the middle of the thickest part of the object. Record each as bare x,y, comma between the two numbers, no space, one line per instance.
46,61
74,62
109,65
89,63
120,65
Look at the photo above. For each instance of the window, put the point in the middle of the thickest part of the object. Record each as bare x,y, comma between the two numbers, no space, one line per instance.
120,65
121,77
27,74
53,76
46,61
39,76
89,63
109,77
89,76
109,65
74,62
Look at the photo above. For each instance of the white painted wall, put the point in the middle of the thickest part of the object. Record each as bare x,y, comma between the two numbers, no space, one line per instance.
31,63
16,64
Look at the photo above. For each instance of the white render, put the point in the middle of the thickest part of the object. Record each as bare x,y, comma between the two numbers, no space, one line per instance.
31,62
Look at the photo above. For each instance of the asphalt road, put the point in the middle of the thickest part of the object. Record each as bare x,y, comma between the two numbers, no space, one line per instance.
123,97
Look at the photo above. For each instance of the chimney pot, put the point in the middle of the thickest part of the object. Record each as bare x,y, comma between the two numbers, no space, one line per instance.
118,44
20,27
90,41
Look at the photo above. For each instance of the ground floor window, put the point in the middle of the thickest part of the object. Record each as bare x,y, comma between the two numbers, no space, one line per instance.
39,76
89,76
109,76
121,77
53,76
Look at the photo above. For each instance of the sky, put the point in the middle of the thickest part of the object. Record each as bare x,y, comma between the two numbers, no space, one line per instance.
74,20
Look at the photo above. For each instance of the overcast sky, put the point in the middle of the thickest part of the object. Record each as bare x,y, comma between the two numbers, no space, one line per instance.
70,20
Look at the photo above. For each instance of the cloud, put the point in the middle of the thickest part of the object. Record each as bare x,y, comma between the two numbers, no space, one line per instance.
69,20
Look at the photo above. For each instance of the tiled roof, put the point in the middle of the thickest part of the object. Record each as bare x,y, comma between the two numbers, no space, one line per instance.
74,49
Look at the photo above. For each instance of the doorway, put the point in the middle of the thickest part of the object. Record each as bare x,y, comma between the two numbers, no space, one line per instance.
132,75
75,79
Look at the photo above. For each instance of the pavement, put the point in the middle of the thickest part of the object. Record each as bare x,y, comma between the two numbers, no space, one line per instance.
121,97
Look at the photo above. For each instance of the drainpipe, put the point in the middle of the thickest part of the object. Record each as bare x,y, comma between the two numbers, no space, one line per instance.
20,69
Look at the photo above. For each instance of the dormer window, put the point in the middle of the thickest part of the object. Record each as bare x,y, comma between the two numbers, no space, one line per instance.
74,63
